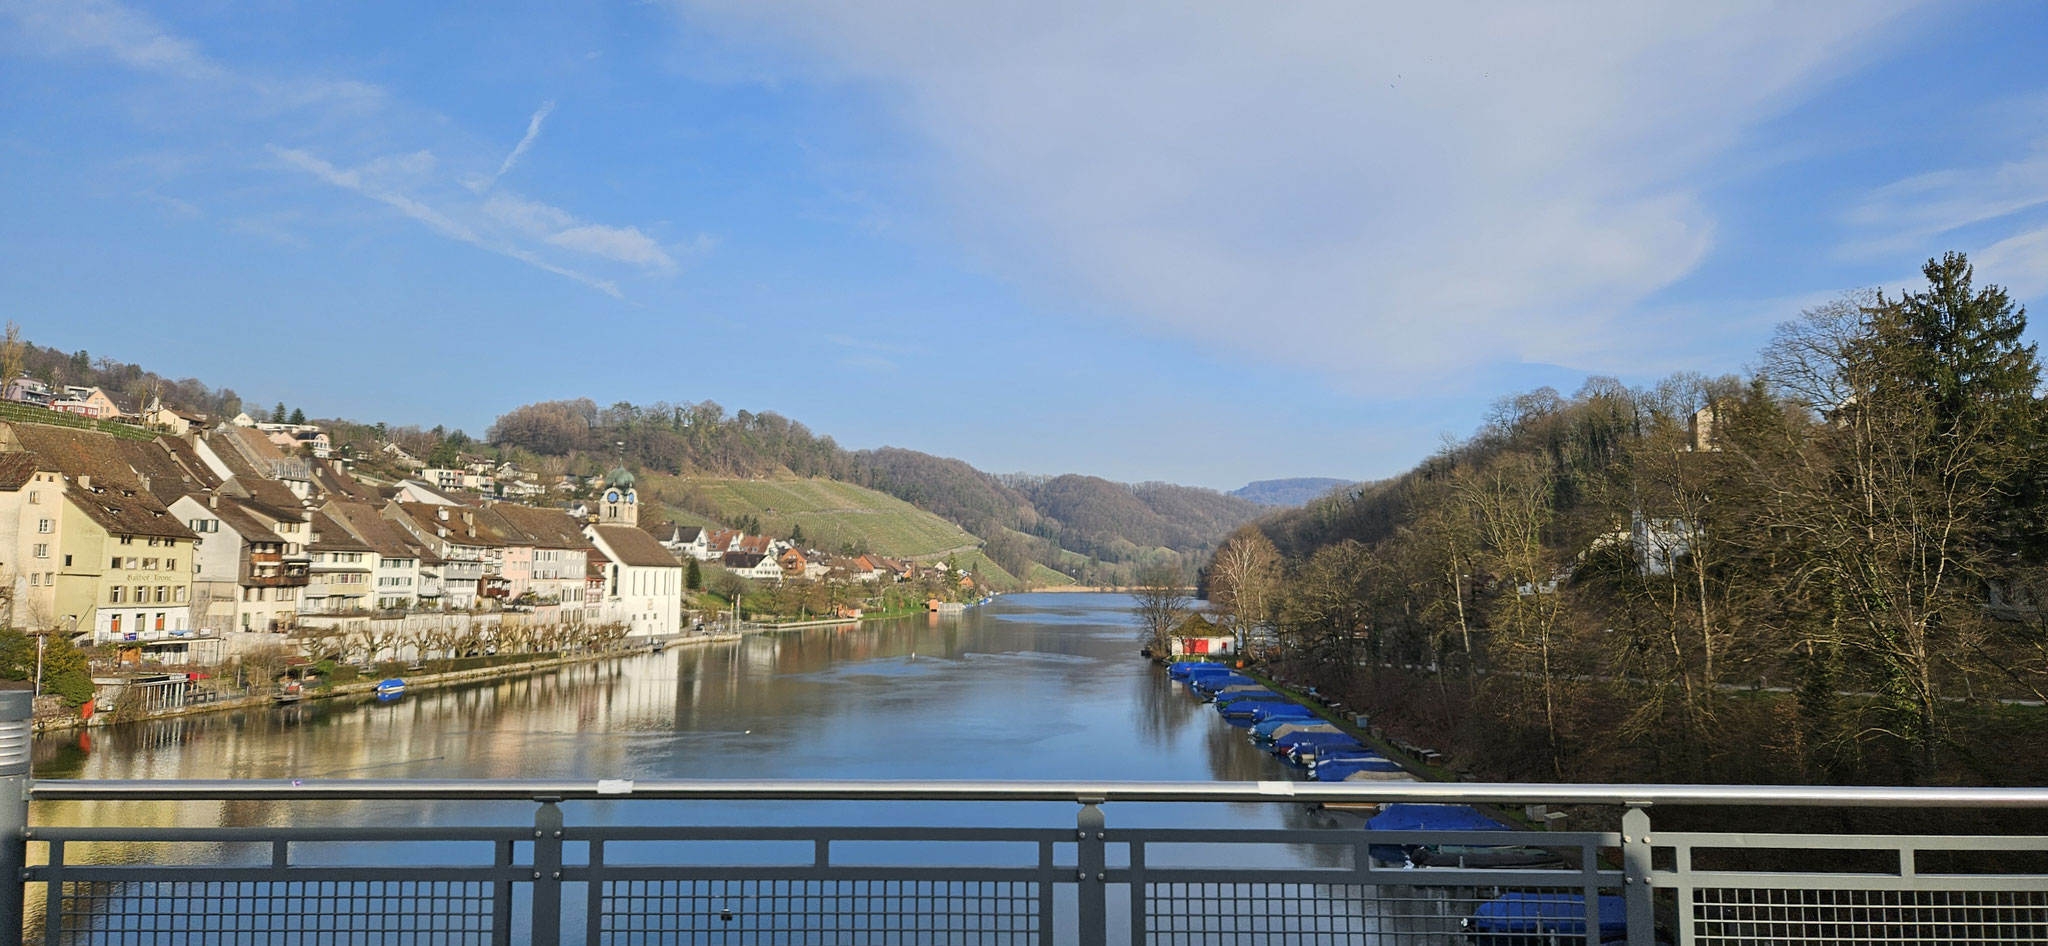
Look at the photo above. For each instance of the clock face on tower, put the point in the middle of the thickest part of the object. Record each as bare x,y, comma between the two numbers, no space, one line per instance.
611,496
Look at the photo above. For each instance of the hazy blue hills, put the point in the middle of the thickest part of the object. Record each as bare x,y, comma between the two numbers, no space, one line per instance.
1288,492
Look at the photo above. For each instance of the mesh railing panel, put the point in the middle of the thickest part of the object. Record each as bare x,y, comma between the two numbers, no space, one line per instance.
1272,914
1739,916
275,913
845,912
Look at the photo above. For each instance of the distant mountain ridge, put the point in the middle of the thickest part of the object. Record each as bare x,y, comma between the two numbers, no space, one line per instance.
1298,491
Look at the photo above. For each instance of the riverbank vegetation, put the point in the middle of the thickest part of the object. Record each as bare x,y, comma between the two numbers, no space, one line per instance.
1828,570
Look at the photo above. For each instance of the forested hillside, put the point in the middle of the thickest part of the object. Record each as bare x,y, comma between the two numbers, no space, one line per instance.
1828,571
1114,528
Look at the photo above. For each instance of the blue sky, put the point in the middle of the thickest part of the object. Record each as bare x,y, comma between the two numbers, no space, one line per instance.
1198,242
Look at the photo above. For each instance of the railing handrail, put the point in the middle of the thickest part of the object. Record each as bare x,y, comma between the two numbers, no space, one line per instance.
1633,796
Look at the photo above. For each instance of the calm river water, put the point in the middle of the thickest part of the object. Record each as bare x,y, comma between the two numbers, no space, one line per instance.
1045,686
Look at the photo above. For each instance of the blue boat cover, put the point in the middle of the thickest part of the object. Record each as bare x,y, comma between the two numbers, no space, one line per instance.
1225,699
1211,682
1242,707
1265,729
1265,711
389,684
1315,739
1356,755
1345,768
1420,817
1560,913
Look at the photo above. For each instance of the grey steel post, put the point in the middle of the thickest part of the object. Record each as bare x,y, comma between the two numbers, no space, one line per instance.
547,874
1091,897
17,710
1635,883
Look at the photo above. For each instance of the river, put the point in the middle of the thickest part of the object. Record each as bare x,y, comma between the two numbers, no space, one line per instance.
1046,686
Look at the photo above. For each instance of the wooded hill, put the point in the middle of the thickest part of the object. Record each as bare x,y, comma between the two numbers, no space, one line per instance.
1113,528
1830,571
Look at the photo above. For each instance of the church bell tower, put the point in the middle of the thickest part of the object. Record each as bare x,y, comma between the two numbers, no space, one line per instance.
621,503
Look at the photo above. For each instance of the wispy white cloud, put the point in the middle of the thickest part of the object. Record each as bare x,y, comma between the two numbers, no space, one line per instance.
1905,213
872,364
1380,192
134,39
369,182
525,142
2020,262
560,228
172,205
1992,210
98,26
412,183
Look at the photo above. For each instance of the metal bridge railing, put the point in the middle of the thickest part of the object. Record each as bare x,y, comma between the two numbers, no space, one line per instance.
620,879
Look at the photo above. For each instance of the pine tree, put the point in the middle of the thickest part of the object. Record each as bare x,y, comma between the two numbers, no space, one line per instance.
693,577
298,416
277,414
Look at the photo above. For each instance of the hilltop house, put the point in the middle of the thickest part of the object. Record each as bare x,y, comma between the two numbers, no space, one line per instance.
693,541
26,390
754,565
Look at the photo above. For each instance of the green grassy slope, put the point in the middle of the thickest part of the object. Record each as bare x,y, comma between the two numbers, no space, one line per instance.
991,573
830,513
1045,577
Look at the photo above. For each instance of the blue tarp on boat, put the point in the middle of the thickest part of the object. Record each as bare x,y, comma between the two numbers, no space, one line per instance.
1338,770
1561,914
1265,731
1262,710
1418,817
1225,699
1265,711
1296,746
1190,668
1206,684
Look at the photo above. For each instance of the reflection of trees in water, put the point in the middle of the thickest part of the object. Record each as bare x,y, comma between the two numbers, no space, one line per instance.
1164,714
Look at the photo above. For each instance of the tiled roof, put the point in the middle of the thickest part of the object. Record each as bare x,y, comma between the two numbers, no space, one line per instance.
742,560
460,531
187,455
631,546
17,468
544,528
330,536
116,498
166,477
336,482
243,517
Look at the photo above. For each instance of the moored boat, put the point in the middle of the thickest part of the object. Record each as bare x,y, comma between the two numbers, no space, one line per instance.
390,689
1265,732
1422,817
1516,918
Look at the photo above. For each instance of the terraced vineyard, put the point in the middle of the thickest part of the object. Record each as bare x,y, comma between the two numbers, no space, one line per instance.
832,514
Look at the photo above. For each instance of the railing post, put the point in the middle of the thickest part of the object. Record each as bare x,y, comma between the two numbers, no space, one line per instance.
547,873
1092,881
17,711
1635,882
